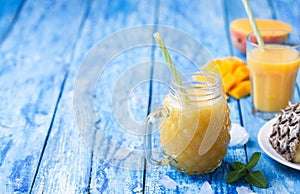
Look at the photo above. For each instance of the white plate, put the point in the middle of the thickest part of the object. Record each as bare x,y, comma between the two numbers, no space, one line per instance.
263,141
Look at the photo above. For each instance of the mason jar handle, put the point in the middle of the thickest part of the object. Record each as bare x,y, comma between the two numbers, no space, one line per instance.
152,118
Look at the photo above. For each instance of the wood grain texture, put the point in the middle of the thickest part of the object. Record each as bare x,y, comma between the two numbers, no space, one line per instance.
43,46
106,170
65,158
117,172
9,11
287,11
34,63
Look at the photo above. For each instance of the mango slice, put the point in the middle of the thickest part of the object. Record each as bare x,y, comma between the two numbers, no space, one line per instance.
234,73
229,82
242,73
241,90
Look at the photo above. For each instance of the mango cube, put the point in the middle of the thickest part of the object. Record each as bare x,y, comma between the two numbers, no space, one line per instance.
241,90
235,75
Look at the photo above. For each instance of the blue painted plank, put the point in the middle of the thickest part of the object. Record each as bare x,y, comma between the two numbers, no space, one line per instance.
117,163
235,10
204,20
287,11
66,161
192,18
34,63
64,150
274,172
9,11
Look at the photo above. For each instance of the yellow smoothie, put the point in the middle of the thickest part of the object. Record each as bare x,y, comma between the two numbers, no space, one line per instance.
273,75
182,132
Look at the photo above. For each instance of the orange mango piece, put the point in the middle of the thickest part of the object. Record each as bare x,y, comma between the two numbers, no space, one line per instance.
236,60
241,90
229,82
223,68
232,63
242,73
234,73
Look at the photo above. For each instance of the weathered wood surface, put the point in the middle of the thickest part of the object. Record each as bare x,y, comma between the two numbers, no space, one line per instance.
9,11
43,45
34,63
96,173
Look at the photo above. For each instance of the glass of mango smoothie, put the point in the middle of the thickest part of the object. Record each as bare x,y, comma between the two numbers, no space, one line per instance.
193,125
273,70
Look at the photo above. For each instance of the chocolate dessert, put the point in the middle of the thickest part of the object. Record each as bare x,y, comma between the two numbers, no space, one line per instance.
285,136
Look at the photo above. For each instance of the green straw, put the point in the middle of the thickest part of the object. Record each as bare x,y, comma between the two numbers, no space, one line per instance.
168,59
253,23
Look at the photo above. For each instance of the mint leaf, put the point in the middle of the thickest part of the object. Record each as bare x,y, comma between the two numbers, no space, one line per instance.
235,175
253,160
256,179
237,165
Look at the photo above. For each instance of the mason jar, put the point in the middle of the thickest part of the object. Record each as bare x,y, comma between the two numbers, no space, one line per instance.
193,125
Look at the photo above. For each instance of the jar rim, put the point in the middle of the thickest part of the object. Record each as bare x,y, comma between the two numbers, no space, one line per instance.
210,74
208,88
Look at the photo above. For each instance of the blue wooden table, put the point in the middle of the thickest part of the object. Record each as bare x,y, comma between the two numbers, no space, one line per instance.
47,137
